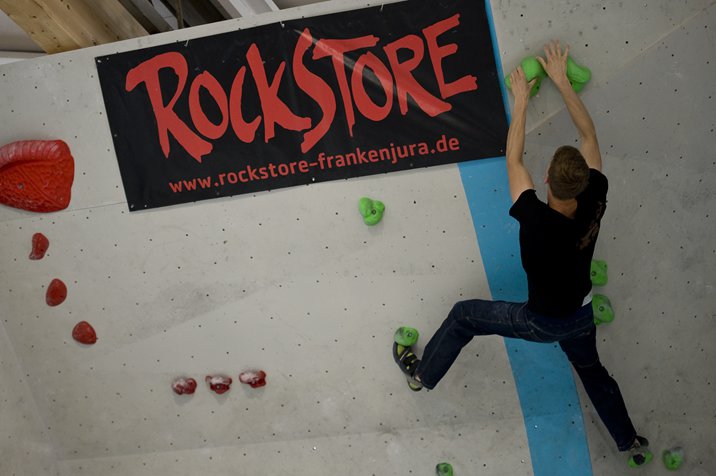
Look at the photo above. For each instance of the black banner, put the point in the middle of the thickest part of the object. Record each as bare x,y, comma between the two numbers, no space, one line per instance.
381,89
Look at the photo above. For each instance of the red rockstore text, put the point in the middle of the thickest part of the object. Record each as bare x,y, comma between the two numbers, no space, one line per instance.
396,79
323,162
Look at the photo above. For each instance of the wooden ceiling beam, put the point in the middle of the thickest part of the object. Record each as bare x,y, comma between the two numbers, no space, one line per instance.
30,17
63,25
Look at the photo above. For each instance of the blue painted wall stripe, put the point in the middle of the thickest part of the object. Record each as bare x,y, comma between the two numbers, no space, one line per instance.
543,376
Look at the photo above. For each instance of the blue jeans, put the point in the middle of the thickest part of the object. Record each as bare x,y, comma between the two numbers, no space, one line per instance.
576,335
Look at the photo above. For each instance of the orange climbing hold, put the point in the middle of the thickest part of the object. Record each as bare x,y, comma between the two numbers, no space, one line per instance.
56,293
36,175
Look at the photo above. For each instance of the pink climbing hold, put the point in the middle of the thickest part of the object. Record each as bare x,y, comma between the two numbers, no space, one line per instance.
255,378
56,293
36,175
40,243
184,386
84,333
219,384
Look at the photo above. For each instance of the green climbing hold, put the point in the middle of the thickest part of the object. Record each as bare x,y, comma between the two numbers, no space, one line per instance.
602,307
577,86
648,456
406,336
443,469
598,272
533,70
673,458
371,210
577,75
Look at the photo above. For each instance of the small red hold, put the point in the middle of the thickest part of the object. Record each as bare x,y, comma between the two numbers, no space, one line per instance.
40,243
219,384
56,293
184,386
255,378
84,333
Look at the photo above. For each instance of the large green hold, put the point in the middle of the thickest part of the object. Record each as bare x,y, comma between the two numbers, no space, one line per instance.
602,307
598,272
533,70
577,75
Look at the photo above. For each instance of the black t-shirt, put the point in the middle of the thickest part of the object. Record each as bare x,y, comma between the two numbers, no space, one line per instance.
557,251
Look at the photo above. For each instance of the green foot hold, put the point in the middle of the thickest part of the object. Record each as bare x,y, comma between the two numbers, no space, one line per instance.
598,272
602,307
371,210
443,469
578,75
648,456
406,336
673,458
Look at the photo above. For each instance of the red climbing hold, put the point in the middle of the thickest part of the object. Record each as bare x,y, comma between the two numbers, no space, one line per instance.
56,293
40,243
254,378
184,386
84,333
219,384
36,175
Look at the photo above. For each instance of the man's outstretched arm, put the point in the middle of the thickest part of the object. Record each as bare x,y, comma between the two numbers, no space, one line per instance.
556,68
519,177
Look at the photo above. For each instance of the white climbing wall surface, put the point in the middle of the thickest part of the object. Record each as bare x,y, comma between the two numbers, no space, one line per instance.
292,282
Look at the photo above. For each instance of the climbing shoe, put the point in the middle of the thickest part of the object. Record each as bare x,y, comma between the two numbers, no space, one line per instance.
408,362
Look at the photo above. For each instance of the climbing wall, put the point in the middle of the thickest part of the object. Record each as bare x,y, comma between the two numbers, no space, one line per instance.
656,124
292,282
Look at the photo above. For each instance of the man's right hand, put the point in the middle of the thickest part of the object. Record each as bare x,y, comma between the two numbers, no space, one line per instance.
556,68
556,64
520,87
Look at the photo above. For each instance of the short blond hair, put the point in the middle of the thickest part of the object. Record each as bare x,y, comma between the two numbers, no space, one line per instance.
568,173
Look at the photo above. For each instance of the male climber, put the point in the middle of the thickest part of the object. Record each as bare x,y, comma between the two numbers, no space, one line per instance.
557,241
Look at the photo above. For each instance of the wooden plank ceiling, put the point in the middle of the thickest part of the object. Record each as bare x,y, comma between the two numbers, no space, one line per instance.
63,25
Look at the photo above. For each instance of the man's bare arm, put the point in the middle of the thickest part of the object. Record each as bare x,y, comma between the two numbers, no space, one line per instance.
519,176
556,68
